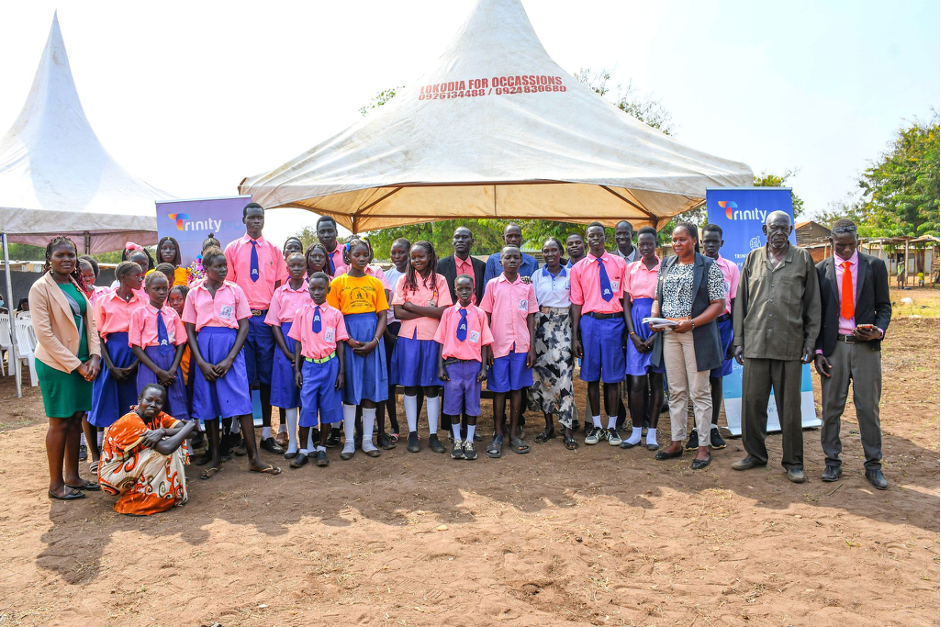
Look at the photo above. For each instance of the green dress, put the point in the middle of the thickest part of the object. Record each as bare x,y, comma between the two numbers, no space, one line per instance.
66,393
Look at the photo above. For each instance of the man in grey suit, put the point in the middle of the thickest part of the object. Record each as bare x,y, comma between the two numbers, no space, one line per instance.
856,310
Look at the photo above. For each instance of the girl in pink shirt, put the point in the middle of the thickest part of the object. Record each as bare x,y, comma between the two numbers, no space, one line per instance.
421,296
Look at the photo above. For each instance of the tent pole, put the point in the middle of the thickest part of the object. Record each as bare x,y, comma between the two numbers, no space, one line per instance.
13,363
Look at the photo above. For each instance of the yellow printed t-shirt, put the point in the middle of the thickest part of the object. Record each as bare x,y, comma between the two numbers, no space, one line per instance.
355,295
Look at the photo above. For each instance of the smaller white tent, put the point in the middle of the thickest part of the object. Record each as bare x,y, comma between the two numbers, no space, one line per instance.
56,177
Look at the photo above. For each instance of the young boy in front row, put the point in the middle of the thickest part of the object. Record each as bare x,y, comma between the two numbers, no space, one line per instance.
321,335
464,337
510,304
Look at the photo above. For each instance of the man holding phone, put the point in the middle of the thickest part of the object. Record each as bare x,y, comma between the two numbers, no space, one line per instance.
856,309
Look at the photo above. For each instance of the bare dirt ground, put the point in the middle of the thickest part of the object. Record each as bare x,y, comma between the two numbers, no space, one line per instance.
596,536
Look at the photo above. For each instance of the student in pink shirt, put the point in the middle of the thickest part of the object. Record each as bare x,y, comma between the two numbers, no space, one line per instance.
286,302
420,298
316,256
327,236
257,266
464,339
115,389
510,304
216,316
158,339
598,319
641,282
320,333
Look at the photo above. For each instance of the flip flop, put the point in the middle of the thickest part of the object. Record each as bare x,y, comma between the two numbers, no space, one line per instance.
519,446
88,485
209,473
270,470
495,450
542,437
71,496
571,444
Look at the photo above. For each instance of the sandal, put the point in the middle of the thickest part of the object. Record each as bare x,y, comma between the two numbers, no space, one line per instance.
571,444
545,437
209,473
88,485
519,446
269,470
71,496
394,437
495,450
93,468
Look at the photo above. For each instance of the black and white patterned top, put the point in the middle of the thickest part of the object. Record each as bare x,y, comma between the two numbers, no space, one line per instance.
678,289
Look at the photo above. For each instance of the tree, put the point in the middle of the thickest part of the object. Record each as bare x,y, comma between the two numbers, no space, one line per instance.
774,180
626,98
900,192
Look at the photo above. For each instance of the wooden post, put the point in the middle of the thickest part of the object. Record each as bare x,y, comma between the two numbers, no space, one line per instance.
905,271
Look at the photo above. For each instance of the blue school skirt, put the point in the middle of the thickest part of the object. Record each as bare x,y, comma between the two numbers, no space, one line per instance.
320,393
366,377
725,336
415,362
638,364
284,390
175,402
228,396
110,399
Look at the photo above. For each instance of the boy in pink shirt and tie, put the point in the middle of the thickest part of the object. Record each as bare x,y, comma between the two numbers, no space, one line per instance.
510,304
464,338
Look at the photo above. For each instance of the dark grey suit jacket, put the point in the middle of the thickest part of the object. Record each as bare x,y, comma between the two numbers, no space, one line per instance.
447,269
873,305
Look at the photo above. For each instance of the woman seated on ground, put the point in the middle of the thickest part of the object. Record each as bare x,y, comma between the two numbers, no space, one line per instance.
143,456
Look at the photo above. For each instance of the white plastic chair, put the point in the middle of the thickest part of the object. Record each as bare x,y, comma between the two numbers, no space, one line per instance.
24,347
6,342
25,315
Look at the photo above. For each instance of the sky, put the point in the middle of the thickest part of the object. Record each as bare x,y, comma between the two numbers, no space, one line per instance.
194,96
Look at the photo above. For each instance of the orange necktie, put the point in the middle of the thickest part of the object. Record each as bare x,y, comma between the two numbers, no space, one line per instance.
847,308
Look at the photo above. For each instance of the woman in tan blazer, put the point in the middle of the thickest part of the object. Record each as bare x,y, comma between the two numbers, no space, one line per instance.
67,361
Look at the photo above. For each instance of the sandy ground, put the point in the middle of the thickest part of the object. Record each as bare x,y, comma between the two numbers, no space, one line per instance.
597,536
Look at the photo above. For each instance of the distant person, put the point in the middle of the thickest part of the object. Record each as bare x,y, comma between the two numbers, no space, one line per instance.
327,236
624,238
512,236
575,248
90,270
68,357
855,312
776,318
168,251
316,256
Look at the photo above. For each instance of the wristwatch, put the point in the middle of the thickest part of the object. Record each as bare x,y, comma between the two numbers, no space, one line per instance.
692,324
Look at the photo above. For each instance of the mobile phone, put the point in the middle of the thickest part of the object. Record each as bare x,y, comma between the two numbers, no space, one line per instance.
866,327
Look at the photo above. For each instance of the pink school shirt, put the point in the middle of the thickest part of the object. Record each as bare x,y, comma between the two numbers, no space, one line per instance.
332,330
586,286
509,304
378,273
286,303
271,268
338,266
641,282
846,327
113,314
440,296
731,274
478,333
225,310
143,331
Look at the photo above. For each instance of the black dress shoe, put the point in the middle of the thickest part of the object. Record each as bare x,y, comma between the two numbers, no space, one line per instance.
271,446
748,463
663,455
699,464
299,460
333,440
435,444
322,459
876,479
82,453
413,446
831,473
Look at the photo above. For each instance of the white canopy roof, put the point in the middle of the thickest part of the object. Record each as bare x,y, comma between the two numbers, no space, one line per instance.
56,178
496,129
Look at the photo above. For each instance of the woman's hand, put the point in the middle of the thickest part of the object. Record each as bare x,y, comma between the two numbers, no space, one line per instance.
223,367
153,437
165,378
531,357
364,348
92,367
639,344
443,373
685,326
117,374
208,372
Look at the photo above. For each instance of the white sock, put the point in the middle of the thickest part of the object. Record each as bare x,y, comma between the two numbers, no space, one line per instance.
310,438
101,438
82,440
716,427
456,430
635,435
470,432
303,451
236,426
434,408
369,420
201,425
290,419
349,428
265,433
322,448
411,412
651,436
597,421
612,421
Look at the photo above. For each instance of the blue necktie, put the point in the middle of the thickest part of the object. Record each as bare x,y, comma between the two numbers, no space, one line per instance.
315,325
162,338
254,273
462,326
333,268
604,282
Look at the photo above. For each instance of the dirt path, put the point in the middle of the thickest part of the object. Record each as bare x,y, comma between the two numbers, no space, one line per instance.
599,536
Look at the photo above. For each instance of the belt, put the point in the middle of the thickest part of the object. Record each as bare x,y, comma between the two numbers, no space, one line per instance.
322,360
724,317
259,312
602,316
849,339
560,311
454,360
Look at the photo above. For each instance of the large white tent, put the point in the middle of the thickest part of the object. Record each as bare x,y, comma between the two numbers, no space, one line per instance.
496,129
57,178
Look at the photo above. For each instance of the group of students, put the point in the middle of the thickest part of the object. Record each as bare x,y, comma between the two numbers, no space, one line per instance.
325,335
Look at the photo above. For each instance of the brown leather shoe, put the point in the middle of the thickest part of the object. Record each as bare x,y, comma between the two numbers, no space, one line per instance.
282,439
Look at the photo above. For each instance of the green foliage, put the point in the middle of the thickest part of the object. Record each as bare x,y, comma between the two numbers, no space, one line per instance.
901,190
380,99
626,98
307,235
775,180
25,252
